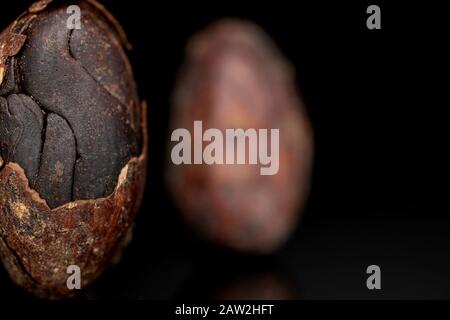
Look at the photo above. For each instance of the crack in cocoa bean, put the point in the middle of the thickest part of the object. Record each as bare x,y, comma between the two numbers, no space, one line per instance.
104,88
15,143
41,152
77,156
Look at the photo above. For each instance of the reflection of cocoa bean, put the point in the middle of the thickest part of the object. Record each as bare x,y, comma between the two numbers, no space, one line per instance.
259,286
234,77
72,148
225,275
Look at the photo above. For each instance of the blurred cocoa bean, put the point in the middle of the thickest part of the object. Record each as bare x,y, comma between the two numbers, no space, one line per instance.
234,77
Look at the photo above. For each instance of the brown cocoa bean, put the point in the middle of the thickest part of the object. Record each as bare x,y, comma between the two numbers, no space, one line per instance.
72,145
235,77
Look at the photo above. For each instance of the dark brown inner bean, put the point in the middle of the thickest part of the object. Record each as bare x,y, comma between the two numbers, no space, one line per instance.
69,109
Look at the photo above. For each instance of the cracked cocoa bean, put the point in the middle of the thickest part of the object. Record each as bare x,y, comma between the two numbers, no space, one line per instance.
72,144
235,78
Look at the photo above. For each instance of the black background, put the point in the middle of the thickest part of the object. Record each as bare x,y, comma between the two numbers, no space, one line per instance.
376,99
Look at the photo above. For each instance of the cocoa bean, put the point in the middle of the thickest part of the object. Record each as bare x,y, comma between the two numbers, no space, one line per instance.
72,145
235,77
